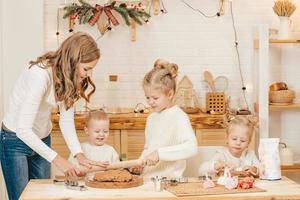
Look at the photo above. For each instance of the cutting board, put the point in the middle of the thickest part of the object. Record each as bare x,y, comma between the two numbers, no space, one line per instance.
196,189
136,181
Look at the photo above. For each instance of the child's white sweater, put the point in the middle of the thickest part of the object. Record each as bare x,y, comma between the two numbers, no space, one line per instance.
170,132
248,158
97,153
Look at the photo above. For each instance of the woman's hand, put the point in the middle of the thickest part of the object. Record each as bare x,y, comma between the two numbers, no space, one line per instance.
151,159
66,167
82,160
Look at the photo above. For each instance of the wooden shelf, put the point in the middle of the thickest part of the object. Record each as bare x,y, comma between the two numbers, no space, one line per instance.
295,167
282,107
279,107
276,41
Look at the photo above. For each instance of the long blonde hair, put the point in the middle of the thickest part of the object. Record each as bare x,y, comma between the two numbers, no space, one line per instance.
78,48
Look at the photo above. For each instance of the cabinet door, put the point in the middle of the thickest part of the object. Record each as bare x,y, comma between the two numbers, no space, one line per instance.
217,137
132,144
59,145
211,137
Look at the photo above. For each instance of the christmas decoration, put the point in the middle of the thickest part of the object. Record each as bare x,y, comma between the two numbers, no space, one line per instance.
86,13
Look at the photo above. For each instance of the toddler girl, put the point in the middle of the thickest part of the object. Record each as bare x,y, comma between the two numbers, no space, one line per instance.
236,155
97,129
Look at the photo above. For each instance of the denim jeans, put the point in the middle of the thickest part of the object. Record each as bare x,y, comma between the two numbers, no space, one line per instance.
20,163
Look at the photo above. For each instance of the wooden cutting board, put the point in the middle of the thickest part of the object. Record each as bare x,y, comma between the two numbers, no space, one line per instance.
196,189
136,181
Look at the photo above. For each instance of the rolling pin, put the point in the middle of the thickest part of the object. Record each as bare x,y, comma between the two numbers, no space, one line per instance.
115,165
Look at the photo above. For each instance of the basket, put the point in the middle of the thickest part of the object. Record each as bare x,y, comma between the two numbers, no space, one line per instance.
281,96
215,101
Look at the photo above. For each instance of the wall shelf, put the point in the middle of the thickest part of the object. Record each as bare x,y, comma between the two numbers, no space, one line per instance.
276,41
294,106
283,107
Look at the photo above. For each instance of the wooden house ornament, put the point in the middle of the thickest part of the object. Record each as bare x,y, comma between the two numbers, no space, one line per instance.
185,95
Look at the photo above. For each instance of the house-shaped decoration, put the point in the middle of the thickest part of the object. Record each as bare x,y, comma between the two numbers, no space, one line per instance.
185,95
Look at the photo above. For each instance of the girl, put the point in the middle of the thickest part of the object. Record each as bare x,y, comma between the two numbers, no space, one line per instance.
236,155
55,78
97,129
169,136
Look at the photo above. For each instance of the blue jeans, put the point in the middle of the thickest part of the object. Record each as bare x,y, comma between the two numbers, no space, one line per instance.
20,163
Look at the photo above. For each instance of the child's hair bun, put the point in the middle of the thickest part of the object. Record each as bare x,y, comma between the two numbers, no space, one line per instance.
164,64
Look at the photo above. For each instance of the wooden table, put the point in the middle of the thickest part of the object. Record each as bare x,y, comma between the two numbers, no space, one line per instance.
44,189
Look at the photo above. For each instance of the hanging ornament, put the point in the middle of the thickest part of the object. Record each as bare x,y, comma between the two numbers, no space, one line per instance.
133,30
155,4
102,27
72,22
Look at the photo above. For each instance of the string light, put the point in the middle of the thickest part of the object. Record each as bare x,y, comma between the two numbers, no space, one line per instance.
201,12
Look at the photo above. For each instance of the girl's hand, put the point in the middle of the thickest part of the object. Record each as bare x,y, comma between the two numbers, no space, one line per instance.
151,159
138,169
66,167
82,160
219,166
252,170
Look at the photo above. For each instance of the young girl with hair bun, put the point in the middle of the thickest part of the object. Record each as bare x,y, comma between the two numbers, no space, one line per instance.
169,136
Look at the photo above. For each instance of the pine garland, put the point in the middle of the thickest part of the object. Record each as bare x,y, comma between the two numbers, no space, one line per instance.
85,12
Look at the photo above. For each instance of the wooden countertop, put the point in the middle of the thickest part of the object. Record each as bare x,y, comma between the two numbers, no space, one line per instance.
137,121
45,189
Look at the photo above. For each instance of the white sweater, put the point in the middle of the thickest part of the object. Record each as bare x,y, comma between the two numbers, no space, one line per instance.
97,153
170,132
29,112
248,158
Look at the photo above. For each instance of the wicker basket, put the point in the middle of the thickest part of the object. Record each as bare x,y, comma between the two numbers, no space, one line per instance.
281,96
215,101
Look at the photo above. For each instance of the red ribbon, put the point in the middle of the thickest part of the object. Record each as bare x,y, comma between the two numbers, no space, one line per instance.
95,18
107,10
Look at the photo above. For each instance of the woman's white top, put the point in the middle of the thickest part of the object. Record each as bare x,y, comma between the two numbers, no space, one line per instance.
29,112
97,153
248,158
171,134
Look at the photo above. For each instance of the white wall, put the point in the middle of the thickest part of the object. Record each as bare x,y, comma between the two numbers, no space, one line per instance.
22,35
21,40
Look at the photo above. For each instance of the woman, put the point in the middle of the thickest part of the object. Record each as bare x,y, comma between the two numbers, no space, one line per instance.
55,78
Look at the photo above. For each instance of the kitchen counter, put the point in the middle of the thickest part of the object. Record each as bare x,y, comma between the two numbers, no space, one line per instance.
45,189
137,121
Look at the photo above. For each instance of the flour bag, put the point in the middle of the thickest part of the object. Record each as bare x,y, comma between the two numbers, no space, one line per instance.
268,152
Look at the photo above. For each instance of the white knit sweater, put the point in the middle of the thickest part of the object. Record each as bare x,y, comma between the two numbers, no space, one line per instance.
97,153
170,132
29,112
248,158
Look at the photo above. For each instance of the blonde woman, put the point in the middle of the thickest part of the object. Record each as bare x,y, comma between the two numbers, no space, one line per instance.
57,78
